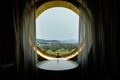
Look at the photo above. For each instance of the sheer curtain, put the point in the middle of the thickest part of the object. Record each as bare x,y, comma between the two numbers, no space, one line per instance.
24,25
85,33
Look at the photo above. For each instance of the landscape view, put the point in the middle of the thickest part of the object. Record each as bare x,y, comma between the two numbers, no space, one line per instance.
57,31
54,47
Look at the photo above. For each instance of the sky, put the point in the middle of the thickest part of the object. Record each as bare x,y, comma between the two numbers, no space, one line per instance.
57,23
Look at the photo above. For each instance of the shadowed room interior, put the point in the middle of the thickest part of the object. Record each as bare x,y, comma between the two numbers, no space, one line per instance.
18,57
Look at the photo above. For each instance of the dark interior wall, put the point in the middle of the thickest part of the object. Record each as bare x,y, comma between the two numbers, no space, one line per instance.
40,2
7,44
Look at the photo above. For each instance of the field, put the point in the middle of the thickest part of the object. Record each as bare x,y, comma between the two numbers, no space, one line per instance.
56,47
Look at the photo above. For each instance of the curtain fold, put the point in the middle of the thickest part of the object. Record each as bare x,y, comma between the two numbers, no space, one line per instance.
85,34
24,25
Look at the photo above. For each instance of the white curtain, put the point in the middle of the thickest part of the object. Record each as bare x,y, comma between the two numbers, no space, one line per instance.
85,33
24,24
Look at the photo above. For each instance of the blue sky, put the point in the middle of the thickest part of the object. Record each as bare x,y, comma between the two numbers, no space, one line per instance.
57,23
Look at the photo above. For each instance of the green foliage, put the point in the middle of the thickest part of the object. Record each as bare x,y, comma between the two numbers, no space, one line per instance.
61,48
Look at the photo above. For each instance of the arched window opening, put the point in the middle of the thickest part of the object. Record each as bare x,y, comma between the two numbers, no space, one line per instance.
63,34
57,31
57,24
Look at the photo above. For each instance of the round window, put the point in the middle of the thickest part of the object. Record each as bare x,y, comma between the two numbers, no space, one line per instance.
57,24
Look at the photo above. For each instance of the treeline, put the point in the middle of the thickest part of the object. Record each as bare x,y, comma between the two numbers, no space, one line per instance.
61,48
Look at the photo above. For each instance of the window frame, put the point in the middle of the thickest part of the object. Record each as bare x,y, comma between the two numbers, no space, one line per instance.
50,4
